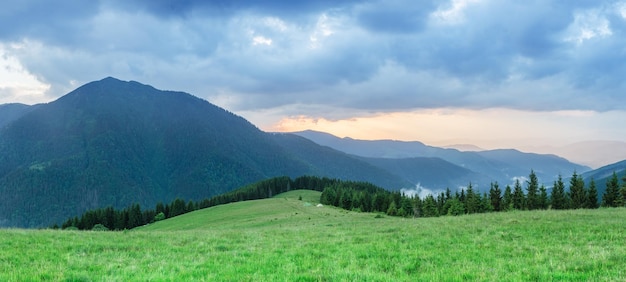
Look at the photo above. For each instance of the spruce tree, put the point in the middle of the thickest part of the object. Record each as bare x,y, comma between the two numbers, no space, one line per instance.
577,191
430,206
485,203
417,206
622,194
472,200
406,207
611,195
532,189
392,210
455,207
543,201
507,199
495,196
558,199
518,196
592,196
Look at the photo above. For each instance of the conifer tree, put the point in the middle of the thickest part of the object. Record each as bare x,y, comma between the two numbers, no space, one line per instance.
543,201
577,192
518,196
495,196
430,206
611,195
392,210
472,200
455,207
406,207
558,199
507,199
622,193
592,196
485,203
531,191
441,202
417,206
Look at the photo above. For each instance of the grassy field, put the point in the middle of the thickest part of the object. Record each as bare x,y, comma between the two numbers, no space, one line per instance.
286,239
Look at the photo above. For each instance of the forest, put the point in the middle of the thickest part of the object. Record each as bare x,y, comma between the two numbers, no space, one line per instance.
366,197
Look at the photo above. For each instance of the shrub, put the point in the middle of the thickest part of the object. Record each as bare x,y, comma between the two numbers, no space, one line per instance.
99,227
159,216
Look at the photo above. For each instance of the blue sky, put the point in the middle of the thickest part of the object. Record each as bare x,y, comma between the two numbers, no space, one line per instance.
495,73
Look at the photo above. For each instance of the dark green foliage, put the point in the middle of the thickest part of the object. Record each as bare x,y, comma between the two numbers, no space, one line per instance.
543,202
485,203
429,209
532,201
392,210
592,195
577,192
495,196
472,200
455,207
558,198
622,194
159,216
611,197
519,201
507,199
406,207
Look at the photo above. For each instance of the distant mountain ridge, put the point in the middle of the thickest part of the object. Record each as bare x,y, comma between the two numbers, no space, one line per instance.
502,165
596,153
602,175
116,143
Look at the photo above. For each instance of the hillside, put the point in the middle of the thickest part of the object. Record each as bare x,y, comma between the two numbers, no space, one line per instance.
601,175
11,112
430,172
282,209
115,143
493,165
287,239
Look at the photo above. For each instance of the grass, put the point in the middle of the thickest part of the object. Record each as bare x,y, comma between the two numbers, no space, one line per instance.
286,239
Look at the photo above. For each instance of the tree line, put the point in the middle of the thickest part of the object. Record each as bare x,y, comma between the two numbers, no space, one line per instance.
367,197
110,218
467,201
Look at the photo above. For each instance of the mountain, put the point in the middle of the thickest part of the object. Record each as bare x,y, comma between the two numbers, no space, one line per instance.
493,165
602,175
432,173
596,153
11,112
464,147
116,143
317,158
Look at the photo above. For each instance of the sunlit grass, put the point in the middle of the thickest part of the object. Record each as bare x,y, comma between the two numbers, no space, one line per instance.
285,239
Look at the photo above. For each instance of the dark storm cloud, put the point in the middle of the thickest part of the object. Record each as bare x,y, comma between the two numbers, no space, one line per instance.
394,16
370,55
45,20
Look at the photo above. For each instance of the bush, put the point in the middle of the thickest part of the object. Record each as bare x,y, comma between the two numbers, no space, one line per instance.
159,216
99,227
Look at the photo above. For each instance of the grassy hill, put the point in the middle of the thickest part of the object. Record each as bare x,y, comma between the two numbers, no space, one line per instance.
286,239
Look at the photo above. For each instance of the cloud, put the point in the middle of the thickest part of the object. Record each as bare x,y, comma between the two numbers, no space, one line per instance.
365,56
420,191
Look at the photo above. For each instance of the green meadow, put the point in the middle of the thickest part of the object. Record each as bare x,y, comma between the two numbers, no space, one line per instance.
287,239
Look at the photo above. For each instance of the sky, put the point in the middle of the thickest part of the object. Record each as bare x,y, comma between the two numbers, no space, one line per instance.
493,73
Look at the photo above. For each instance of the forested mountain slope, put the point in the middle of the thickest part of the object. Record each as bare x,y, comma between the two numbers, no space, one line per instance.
116,143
